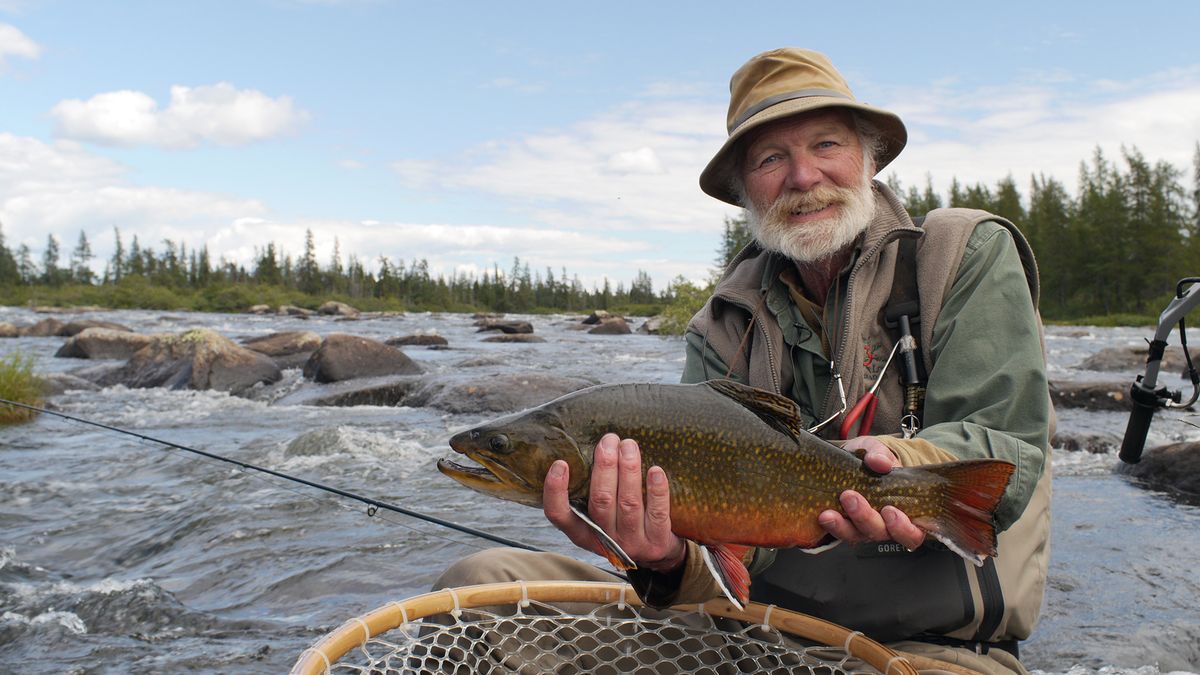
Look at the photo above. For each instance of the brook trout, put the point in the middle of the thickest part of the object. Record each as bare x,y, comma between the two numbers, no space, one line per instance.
741,470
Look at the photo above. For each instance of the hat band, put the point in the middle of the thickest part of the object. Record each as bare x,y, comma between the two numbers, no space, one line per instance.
780,98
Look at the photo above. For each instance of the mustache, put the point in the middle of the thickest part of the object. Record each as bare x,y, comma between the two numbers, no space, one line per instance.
806,202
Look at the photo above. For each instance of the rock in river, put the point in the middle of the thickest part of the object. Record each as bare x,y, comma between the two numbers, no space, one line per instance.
195,359
345,357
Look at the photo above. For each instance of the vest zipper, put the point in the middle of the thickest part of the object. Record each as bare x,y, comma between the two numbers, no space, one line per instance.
840,352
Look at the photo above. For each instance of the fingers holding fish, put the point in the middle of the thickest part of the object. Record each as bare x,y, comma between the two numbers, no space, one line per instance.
900,529
658,523
877,456
859,523
642,523
557,506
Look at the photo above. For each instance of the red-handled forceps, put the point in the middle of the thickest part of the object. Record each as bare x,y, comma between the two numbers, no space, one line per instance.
865,408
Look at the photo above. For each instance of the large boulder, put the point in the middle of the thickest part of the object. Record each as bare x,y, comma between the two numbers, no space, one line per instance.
345,357
494,393
613,325
1172,468
8,330
334,308
103,343
195,359
289,349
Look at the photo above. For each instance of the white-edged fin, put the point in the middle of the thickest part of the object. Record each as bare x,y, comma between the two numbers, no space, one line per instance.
719,575
972,558
607,542
822,548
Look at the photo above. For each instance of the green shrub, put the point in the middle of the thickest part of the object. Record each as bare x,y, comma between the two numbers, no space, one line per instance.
18,383
689,298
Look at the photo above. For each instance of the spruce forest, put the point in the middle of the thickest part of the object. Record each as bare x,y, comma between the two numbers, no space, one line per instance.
1110,253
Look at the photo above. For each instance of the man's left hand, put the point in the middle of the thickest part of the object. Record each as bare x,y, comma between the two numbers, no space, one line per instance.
858,522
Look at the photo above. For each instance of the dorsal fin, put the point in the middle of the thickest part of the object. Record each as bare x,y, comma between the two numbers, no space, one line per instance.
778,411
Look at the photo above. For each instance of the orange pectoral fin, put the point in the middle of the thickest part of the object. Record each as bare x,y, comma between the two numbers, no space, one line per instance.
613,552
725,563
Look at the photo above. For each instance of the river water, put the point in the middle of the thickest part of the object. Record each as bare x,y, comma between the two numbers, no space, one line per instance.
119,555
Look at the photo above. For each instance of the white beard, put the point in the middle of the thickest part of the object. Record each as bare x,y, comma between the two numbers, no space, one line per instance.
819,239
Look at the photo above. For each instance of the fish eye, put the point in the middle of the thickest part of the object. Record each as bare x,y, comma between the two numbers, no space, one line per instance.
498,443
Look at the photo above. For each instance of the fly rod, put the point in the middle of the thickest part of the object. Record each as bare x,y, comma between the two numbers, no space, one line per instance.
372,504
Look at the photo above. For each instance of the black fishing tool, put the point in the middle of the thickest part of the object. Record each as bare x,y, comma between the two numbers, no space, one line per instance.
1143,394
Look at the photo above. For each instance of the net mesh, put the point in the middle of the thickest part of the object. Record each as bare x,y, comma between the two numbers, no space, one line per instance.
534,636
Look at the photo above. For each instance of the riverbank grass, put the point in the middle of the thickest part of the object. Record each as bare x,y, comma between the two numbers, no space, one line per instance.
18,383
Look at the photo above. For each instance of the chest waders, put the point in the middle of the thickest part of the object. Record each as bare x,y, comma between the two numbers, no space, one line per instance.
880,588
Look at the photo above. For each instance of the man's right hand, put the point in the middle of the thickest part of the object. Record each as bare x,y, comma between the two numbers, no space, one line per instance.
642,527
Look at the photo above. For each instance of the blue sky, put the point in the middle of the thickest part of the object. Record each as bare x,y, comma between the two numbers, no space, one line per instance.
568,134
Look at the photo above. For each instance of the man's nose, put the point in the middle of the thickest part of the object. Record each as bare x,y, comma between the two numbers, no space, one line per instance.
803,173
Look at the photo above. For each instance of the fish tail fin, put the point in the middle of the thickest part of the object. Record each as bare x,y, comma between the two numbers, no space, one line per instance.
971,492
726,564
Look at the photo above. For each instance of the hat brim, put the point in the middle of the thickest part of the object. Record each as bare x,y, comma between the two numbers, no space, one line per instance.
717,179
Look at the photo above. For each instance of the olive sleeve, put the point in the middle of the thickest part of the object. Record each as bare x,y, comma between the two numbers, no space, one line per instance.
987,393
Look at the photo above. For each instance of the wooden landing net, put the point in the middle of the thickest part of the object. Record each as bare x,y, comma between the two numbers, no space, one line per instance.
576,627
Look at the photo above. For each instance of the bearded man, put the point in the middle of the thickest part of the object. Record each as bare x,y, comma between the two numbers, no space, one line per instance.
807,311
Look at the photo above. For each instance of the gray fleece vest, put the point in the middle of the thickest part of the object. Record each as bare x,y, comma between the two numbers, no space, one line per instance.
881,589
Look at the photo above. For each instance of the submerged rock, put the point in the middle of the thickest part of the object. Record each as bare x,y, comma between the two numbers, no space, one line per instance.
1096,444
506,327
417,341
43,328
77,327
514,337
1172,468
392,390
1131,360
1110,396
494,393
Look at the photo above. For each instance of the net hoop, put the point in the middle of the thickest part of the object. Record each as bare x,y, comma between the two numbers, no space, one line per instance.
320,657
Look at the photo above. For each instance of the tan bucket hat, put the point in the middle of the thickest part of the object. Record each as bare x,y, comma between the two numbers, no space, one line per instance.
785,82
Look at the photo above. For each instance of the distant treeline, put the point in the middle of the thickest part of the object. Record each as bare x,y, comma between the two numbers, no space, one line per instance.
1116,247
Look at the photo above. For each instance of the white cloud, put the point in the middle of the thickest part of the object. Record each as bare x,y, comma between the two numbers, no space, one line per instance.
632,168
640,161
216,113
983,134
62,189
15,43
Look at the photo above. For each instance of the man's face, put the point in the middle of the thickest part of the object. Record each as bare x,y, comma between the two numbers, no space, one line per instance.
808,190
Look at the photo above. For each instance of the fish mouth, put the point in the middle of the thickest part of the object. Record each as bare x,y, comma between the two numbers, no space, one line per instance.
489,476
